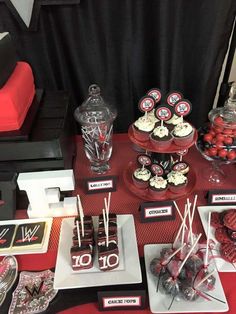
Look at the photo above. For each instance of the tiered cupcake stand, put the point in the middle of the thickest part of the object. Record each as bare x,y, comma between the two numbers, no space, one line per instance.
132,165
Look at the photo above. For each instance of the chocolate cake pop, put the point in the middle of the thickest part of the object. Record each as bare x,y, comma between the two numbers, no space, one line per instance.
194,263
157,267
188,292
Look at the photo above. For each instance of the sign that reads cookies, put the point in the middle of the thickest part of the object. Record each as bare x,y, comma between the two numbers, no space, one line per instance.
157,211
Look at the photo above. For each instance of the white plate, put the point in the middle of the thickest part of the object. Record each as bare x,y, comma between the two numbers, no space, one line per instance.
221,264
159,302
128,272
29,249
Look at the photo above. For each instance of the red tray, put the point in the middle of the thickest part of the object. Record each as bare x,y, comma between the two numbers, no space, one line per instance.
144,194
148,145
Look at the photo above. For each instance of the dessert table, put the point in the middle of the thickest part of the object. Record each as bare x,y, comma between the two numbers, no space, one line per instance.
123,202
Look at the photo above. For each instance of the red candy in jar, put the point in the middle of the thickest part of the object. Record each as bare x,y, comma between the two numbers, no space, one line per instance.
219,140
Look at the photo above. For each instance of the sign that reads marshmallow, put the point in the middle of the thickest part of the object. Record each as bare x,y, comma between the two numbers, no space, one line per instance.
43,191
222,197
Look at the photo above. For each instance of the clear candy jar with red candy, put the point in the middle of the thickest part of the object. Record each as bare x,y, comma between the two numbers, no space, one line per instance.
218,139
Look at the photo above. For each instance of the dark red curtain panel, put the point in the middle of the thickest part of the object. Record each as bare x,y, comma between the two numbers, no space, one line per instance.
128,47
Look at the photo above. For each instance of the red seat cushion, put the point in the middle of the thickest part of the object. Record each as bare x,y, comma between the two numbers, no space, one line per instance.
16,96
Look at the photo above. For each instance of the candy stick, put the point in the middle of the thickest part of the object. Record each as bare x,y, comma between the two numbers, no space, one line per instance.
208,239
109,201
106,207
180,158
81,213
96,148
187,256
177,208
105,226
205,278
162,122
78,232
107,235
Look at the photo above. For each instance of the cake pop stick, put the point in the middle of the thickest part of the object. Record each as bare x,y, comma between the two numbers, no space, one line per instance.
78,233
204,279
187,256
190,222
194,206
208,239
81,213
173,254
177,208
186,209
180,229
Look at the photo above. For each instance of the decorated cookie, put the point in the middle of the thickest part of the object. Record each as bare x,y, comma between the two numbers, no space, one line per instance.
228,252
230,219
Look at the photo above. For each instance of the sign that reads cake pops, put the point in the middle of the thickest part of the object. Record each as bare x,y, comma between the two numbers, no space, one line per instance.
157,169
155,93
183,108
144,160
173,97
146,103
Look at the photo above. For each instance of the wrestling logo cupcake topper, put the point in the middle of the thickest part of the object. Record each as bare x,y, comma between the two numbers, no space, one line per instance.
155,93
173,97
183,108
163,113
144,160
146,103
157,169
182,152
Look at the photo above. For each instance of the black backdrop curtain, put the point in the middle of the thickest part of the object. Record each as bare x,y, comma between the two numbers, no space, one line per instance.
128,47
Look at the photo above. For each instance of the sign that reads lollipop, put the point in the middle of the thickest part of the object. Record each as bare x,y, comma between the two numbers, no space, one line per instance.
163,113
157,169
183,108
146,103
155,93
144,160
173,97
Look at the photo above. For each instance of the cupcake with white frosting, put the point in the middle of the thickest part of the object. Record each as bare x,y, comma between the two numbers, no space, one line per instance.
174,120
143,127
157,186
177,181
161,137
141,177
183,134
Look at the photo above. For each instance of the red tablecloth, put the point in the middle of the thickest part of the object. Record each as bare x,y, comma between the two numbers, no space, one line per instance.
123,202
